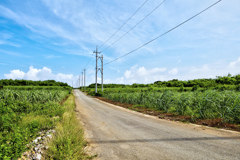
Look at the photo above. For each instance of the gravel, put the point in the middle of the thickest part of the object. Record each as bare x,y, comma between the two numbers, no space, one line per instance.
38,146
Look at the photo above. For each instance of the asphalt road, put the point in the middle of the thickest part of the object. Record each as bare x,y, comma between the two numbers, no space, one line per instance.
117,133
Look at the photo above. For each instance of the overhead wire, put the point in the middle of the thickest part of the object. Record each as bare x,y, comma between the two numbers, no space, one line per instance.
165,32
123,24
134,25
89,61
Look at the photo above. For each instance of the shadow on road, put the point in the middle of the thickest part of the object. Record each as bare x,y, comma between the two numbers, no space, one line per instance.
165,139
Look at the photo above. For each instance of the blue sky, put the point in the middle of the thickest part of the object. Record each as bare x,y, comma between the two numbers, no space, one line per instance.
55,39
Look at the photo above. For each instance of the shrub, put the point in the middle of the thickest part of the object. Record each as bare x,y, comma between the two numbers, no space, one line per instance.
195,87
99,94
237,88
181,88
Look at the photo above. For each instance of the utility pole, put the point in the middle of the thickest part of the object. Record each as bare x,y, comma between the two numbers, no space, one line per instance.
101,69
84,79
96,67
79,82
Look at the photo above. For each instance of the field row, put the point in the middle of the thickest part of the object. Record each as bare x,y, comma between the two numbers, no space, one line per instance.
161,89
209,104
37,87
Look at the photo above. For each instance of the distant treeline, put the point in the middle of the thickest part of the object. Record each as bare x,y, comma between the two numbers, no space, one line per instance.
224,80
10,82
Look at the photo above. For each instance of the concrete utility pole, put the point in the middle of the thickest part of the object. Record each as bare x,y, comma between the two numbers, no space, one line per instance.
101,69
96,67
84,79
79,82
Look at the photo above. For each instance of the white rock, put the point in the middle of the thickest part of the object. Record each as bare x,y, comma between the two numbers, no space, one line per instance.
36,140
50,136
38,156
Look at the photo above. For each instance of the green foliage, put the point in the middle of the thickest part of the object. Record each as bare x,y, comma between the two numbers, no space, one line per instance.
93,85
205,83
237,87
195,87
220,83
99,94
38,87
92,93
10,82
198,104
167,100
23,113
181,88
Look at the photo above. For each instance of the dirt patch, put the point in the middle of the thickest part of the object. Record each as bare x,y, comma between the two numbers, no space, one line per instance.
174,117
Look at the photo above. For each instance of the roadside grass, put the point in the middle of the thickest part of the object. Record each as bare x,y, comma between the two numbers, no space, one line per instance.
68,142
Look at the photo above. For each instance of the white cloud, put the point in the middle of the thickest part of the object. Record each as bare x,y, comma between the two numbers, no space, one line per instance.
40,74
63,77
235,64
174,71
135,74
15,74
127,74
179,61
203,68
138,74
116,81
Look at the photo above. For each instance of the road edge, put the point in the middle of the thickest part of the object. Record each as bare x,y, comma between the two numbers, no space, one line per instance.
167,120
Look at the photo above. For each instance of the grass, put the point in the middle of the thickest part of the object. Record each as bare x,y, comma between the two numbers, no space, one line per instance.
68,142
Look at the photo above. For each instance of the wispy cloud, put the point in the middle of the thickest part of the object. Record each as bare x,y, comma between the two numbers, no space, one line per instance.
3,64
11,53
2,42
52,57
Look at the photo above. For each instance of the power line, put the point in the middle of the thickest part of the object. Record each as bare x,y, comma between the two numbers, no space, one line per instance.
123,24
89,61
165,32
90,65
90,73
135,25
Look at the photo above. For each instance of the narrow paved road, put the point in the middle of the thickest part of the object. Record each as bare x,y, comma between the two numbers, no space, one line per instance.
117,133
